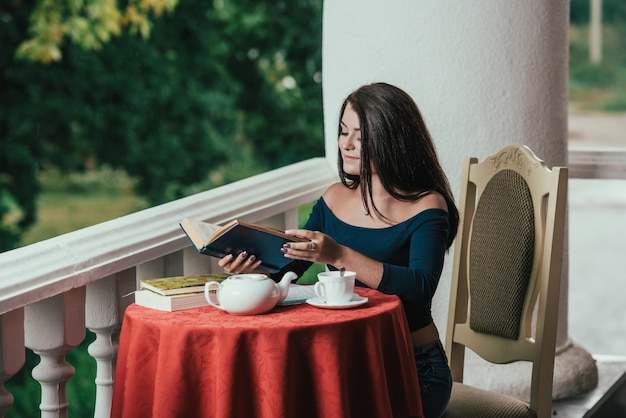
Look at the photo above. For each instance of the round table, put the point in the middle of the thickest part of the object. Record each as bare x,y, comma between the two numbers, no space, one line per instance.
295,361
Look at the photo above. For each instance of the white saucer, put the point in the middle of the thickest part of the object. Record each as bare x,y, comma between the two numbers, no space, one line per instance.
321,302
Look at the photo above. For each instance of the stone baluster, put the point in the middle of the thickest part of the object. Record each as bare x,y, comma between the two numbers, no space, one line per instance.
11,352
105,304
54,326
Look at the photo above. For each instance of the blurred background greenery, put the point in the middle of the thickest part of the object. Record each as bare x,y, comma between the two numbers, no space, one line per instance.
218,91
598,86
188,98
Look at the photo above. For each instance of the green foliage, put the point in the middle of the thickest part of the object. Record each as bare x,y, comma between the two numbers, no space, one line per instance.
89,24
18,187
219,91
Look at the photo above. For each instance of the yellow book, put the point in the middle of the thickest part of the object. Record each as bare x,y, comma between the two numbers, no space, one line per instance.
168,286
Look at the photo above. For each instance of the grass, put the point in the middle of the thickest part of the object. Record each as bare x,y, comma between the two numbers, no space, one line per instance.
62,212
75,201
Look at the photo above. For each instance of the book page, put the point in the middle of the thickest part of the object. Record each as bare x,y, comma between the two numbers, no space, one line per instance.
206,229
273,231
200,233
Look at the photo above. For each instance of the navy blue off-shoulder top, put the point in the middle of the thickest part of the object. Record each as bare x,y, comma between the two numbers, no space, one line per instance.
412,253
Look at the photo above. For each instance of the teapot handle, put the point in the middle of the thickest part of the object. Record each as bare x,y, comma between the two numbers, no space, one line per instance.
207,289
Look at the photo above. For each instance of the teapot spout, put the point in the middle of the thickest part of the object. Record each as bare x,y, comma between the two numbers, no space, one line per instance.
284,283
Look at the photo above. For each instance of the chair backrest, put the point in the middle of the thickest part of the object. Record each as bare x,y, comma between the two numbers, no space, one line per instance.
507,265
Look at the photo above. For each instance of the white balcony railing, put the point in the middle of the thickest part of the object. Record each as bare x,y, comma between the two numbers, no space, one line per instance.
52,291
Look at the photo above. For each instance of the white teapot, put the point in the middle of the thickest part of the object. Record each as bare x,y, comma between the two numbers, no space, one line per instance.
248,294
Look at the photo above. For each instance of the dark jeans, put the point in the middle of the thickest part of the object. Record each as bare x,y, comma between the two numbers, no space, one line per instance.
434,378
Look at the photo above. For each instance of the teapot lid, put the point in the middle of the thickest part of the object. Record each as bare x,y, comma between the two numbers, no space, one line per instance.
249,277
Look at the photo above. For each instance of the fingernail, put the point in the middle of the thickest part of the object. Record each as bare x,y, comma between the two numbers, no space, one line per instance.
252,258
284,250
243,254
286,245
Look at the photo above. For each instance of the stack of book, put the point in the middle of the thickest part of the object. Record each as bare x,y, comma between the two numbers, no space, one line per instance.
185,292
175,293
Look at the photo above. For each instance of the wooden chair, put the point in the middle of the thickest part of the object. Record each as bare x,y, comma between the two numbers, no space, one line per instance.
507,265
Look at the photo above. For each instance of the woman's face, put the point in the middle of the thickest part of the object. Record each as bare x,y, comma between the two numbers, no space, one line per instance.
350,141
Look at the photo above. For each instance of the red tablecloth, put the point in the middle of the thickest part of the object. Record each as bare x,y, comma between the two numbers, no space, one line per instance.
295,361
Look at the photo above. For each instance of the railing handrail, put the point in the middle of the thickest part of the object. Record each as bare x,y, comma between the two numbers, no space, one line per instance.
72,260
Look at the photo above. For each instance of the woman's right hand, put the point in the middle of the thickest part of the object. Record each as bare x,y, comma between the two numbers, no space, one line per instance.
240,264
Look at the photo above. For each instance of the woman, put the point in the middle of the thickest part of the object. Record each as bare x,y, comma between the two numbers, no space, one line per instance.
391,219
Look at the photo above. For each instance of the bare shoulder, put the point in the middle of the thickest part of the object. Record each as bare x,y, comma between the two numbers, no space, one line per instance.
406,210
341,200
335,193
432,200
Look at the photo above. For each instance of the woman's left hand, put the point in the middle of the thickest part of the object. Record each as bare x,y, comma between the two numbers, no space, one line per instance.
320,248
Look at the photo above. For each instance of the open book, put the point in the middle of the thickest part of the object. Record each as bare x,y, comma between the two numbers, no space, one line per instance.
237,236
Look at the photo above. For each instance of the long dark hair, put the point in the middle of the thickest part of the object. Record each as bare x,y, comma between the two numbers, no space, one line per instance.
396,142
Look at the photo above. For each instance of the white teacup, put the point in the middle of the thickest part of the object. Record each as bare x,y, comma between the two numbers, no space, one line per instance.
334,287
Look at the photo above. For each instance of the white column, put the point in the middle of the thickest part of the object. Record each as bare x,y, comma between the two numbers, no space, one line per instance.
54,326
106,301
595,32
485,73
12,352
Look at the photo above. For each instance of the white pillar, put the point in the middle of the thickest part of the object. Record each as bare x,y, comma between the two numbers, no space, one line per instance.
595,32
485,73
104,309
53,327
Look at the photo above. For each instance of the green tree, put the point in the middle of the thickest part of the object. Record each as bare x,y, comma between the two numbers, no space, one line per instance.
88,23
218,91
613,11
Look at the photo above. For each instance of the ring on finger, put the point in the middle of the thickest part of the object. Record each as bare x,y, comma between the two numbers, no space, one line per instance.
312,246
